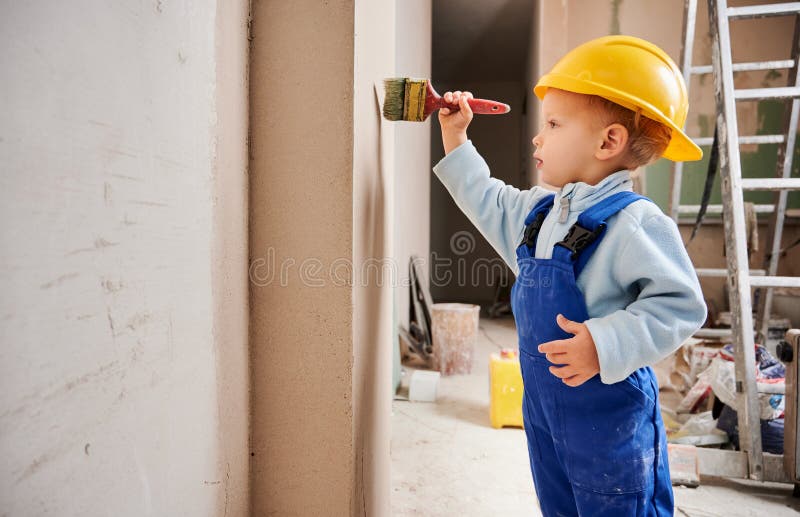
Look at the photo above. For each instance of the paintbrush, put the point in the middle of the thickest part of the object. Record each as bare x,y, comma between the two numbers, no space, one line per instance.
415,99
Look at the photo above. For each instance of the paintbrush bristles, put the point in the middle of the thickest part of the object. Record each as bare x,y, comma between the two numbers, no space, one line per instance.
394,99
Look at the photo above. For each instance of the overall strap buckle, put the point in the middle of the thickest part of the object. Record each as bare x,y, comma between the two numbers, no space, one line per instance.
579,238
532,231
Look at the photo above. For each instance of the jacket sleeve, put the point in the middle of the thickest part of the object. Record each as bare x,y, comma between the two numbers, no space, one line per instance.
497,210
668,309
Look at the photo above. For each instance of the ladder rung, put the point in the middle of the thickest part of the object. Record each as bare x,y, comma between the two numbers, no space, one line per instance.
751,139
719,272
717,209
767,93
707,333
749,66
712,333
761,11
771,183
775,281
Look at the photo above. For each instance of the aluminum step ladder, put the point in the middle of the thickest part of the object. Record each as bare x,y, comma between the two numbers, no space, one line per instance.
751,462
740,280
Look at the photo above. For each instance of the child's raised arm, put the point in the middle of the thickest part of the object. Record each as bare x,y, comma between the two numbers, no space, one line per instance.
497,210
454,124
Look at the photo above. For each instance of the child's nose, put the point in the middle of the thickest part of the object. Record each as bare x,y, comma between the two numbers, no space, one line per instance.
537,140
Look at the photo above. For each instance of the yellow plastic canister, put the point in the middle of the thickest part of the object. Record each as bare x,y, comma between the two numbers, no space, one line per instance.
505,389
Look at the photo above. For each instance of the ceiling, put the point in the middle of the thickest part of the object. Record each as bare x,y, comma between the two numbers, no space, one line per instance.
481,40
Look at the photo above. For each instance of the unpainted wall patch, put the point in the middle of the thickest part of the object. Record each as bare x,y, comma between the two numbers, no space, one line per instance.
111,286
58,281
99,243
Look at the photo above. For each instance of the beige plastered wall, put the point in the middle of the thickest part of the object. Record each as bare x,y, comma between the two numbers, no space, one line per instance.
123,354
301,212
322,212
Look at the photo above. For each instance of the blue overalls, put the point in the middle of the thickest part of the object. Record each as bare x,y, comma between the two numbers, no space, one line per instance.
596,449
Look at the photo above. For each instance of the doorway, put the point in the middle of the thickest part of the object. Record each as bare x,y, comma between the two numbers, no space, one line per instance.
484,48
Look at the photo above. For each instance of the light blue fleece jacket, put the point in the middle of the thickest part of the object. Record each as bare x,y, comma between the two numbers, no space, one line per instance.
641,290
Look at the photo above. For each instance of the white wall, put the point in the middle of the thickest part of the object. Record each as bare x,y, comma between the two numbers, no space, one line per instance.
123,318
373,243
413,156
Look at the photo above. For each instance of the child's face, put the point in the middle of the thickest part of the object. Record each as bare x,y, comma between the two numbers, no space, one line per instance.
570,136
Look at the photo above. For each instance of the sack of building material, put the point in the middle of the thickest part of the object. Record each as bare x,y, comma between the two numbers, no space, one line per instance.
697,398
771,430
721,374
679,370
700,429
767,366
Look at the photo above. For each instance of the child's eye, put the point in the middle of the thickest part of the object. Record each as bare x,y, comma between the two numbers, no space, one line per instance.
551,124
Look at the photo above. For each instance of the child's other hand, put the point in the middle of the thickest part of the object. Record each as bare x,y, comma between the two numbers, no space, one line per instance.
454,123
578,354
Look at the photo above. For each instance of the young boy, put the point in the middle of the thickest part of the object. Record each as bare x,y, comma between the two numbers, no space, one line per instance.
604,286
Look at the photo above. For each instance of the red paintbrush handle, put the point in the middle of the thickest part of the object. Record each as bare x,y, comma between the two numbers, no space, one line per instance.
479,106
487,107
434,101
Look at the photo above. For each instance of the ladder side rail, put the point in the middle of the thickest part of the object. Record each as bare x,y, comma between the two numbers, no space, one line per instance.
736,250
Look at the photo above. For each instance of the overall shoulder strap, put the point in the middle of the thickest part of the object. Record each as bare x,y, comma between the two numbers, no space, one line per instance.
597,214
534,219
584,236
543,206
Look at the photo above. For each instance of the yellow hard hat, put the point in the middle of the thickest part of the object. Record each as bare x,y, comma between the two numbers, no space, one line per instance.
631,72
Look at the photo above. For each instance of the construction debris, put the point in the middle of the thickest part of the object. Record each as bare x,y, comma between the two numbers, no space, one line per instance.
703,375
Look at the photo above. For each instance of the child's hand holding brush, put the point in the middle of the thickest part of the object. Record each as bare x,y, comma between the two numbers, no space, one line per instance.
454,123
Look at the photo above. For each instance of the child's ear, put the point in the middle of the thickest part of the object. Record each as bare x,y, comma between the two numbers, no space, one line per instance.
615,140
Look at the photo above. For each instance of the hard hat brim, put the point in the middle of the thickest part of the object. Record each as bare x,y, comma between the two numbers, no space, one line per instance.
680,148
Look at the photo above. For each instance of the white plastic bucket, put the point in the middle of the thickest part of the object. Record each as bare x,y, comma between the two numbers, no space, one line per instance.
454,329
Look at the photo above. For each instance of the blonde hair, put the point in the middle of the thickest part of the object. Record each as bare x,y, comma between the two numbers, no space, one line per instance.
647,139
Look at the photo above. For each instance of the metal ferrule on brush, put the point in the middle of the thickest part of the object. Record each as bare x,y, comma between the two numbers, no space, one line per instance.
414,105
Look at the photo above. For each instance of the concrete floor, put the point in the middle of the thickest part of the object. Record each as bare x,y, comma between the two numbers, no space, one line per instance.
447,460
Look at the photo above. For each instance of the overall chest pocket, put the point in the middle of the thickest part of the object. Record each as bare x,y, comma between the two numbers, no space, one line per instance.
543,289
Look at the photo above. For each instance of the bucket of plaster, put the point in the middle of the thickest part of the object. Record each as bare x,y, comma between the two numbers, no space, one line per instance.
454,329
